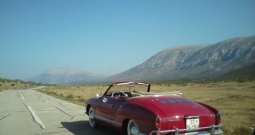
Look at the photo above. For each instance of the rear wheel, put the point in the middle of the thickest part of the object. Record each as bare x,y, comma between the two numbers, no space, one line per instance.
132,128
92,122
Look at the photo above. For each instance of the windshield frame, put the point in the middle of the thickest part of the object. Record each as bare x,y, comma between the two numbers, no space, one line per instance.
128,83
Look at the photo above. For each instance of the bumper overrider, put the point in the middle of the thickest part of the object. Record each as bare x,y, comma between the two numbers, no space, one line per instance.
211,130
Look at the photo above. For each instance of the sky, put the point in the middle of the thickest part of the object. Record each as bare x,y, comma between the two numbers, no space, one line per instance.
110,36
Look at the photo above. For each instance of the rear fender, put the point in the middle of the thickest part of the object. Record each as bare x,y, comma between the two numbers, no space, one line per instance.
144,118
215,111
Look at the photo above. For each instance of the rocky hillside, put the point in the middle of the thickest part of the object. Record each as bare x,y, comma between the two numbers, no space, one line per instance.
247,72
194,62
67,76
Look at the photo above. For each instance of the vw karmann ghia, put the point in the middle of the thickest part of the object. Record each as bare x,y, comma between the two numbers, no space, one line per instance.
131,109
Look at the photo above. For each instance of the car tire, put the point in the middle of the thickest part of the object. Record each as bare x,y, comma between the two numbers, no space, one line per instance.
92,121
132,128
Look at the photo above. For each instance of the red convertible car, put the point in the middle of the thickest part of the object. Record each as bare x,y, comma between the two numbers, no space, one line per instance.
130,108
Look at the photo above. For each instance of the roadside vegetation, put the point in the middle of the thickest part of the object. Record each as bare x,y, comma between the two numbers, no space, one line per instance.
234,99
7,84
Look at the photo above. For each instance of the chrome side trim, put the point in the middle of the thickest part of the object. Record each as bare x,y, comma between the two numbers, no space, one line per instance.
191,117
212,131
108,120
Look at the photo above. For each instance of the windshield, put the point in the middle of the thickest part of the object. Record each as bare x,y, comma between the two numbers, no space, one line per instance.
128,87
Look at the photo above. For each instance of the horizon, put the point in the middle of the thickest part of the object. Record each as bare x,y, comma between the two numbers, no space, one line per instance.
109,37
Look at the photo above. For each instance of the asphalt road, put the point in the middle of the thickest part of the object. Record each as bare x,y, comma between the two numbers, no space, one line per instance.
28,112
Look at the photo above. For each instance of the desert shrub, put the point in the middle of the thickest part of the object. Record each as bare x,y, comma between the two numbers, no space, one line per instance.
54,93
61,95
81,99
48,92
70,96
181,83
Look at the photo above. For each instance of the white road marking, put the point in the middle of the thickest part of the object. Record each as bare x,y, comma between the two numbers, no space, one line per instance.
21,94
36,118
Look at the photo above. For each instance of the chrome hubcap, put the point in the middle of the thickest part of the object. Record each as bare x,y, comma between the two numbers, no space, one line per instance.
132,128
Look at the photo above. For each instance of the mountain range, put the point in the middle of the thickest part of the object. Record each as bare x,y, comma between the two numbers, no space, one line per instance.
174,63
57,75
194,62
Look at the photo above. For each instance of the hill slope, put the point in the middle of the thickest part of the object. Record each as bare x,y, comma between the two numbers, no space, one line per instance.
194,62
247,72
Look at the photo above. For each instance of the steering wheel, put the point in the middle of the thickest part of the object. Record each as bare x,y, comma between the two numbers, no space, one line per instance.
113,94
118,94
123,94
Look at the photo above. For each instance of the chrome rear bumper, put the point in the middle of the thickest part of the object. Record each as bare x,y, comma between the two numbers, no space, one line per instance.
212,130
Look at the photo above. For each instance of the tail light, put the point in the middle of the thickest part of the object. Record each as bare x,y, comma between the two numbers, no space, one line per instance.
158,123
218,120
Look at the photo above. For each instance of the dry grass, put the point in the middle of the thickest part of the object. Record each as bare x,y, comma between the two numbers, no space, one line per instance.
6,84
235,100
75,93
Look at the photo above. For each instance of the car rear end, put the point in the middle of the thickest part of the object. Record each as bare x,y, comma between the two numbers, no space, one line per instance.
179,116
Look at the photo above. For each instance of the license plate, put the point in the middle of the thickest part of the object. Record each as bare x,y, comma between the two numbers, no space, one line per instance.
192,123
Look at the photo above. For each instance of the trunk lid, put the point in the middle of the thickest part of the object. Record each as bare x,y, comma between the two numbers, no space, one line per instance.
179,112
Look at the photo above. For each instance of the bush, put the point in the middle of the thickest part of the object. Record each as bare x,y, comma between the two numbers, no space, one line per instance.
69,96
61,95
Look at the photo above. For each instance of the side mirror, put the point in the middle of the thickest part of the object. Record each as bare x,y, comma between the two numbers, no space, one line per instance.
97,95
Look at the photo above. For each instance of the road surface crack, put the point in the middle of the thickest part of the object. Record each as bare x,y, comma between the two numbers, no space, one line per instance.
63,111
5,116
61,104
